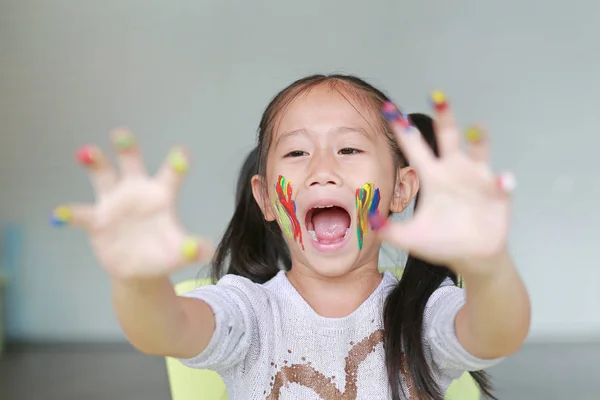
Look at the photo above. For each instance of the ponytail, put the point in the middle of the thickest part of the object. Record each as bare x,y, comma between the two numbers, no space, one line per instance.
404,309
251,247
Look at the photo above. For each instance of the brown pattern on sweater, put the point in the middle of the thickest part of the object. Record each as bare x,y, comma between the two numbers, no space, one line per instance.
307,376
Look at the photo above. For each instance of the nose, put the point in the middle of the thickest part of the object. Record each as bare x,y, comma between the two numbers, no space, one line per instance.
323,170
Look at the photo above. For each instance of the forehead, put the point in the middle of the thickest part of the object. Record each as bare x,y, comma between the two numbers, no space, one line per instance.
325,107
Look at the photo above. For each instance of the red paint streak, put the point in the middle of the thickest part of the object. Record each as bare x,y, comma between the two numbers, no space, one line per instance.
290,207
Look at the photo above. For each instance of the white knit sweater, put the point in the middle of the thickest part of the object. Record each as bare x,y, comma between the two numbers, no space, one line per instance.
270,344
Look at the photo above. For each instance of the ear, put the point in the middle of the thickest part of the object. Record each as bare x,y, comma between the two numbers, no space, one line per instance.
407,187
260,193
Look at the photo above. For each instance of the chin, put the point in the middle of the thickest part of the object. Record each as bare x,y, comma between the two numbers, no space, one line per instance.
332,267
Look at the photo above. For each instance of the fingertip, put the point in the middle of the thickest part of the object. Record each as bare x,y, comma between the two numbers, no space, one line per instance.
394,116
60,216
475,134
377,221
438,100
179,160
507,182
123,139
88,155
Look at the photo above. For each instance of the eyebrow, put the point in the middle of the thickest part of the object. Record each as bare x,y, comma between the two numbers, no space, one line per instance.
339,130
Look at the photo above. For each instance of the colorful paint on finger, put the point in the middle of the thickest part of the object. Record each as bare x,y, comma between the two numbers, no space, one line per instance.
61,216
507,182
394,115
367,207
190,249
178,161
123,140
474,134
286,211
439,101
88,156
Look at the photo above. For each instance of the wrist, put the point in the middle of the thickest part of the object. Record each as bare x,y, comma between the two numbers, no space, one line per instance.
483,267
140,284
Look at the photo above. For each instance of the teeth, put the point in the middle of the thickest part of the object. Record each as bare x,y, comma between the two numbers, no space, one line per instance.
325,206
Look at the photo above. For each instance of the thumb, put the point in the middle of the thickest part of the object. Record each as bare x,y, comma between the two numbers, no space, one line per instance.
402,235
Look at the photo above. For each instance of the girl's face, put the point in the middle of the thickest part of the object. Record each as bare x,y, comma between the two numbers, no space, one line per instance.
328,166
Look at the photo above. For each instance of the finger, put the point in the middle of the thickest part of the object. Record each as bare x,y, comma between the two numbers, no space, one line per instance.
402,235
195,249
174,168
409,138
129,155
446,129
478,148
102,173
506,182
79,215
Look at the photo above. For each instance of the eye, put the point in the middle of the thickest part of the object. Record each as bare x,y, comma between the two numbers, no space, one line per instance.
349,150
296,153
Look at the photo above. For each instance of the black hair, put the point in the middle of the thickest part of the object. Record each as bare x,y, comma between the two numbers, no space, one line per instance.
254,248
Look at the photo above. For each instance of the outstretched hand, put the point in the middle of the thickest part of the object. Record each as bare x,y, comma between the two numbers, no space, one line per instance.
464,208
133,225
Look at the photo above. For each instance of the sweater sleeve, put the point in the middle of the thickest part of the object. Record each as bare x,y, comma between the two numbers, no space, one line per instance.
235,323
447,354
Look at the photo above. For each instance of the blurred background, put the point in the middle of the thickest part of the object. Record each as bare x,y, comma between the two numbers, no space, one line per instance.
199,74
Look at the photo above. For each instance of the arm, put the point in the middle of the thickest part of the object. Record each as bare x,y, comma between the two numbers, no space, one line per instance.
495,319
156,321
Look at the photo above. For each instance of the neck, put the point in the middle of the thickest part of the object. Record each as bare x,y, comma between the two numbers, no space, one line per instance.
335,297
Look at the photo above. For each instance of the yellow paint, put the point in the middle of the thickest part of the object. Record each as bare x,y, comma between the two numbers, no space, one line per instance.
178,161
367,200
63,213
438,97
190,248
473,134
284,219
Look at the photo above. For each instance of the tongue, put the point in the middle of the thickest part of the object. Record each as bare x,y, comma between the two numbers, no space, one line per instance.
330,225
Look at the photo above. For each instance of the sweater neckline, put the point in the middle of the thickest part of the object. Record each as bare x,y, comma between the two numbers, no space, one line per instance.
388,280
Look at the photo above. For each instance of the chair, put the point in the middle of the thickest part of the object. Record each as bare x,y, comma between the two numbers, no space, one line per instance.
196,384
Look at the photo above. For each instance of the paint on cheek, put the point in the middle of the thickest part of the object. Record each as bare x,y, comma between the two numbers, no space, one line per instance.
367,204
286,210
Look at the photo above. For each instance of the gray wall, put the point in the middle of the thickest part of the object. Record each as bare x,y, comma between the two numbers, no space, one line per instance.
199,73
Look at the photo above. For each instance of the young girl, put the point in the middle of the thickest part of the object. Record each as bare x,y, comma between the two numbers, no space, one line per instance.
317,320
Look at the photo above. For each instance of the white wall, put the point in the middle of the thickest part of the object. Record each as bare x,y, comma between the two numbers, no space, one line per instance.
199,73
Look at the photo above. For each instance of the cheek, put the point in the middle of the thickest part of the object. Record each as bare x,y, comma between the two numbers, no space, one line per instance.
285,210
368,199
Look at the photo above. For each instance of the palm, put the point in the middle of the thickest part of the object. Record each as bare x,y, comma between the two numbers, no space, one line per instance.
462,212
133,226
136,231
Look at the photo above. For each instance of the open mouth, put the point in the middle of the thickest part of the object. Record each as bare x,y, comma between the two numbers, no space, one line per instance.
328,225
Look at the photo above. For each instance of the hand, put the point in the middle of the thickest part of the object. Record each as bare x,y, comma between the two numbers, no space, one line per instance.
133,226
463,212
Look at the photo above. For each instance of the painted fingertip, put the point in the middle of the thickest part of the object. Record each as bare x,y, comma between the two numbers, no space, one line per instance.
190,248
474,134
439,101
60,216
394,115
507,182
178,161
377,221
88,155
123,140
